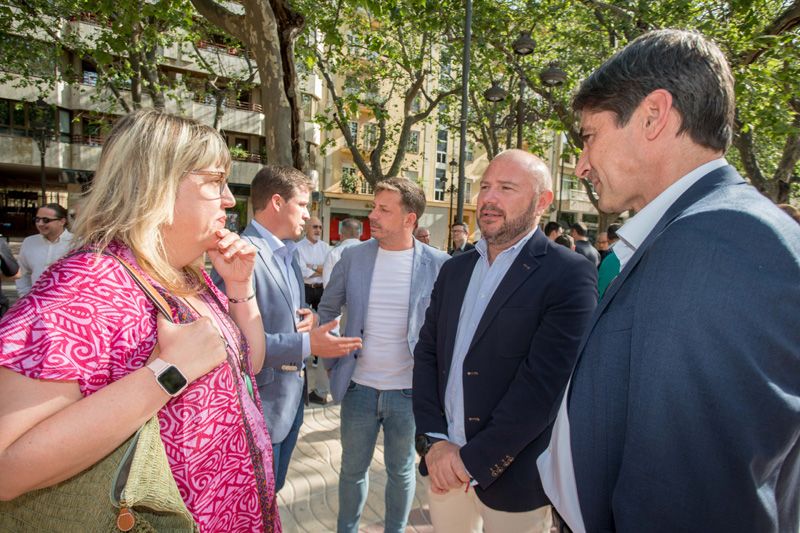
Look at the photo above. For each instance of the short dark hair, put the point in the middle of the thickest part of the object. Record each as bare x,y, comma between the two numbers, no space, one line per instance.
612,231
692,68
412,197
579,228
565,240
272,180
551,226
59,211
461,224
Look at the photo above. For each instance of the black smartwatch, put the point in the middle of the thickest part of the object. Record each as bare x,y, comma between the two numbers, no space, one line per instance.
168,377
423,443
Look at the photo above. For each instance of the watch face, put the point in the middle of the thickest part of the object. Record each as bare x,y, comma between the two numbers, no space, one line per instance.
172,380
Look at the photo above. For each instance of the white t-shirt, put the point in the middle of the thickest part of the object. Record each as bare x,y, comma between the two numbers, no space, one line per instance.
386,362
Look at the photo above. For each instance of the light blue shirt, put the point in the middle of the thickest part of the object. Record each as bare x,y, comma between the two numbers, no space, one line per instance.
284,251
482,285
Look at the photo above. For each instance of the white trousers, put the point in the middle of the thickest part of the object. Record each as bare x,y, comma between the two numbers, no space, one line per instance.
463,512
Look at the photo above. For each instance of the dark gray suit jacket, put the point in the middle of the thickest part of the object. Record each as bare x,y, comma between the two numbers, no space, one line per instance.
684,406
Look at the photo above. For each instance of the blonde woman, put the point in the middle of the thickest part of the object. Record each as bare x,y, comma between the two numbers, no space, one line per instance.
77,377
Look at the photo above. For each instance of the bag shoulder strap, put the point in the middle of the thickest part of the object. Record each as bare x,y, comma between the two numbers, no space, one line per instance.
158,301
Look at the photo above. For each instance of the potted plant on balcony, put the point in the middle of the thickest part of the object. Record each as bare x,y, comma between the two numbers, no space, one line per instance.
238,153
349,183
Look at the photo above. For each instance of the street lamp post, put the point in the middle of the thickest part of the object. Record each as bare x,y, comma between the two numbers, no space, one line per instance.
41,124
523,45
453,169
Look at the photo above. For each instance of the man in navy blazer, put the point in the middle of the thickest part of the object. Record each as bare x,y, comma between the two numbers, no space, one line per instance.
280,208
683,411
498,344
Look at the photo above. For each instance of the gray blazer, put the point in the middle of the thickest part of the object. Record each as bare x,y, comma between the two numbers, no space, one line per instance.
350,285
280,383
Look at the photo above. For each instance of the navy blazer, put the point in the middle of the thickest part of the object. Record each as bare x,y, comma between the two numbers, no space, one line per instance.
684,407
516,367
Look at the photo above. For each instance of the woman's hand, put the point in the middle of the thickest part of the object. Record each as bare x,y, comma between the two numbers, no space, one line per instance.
195,348
233,258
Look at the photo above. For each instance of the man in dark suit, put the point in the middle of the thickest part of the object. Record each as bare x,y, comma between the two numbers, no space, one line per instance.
498,343
683,412
459,233
280,208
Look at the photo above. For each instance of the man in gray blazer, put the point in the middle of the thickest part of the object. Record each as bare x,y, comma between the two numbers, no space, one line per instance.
386,284
280,208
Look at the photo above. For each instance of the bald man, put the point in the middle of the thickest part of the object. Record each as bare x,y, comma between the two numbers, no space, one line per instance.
494,354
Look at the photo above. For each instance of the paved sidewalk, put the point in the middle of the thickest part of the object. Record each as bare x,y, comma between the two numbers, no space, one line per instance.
309,500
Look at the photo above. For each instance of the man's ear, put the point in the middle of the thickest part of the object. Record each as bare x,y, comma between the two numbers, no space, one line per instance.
411,220
544,201
276,201
655,112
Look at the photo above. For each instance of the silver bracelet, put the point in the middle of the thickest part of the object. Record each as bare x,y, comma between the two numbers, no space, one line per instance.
241,300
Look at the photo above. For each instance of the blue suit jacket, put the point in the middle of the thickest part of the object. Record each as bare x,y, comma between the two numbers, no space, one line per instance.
280,383
515,369
684,407
350,284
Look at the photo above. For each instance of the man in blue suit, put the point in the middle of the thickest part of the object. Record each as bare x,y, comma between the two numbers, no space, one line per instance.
683,411
280,208
498,344
386,284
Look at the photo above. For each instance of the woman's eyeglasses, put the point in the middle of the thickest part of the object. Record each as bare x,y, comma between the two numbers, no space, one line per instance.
221,178
44,220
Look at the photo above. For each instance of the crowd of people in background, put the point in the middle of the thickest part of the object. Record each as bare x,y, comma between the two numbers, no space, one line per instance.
543,382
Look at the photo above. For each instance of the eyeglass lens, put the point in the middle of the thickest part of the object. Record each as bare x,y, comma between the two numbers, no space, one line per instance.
46,220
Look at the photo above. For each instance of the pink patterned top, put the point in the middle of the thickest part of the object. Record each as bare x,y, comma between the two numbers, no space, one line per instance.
86,321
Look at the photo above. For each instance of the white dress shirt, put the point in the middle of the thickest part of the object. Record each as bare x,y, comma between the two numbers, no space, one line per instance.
311,256
556,469
36,254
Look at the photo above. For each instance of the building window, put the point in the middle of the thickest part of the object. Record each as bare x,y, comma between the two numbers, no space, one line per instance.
441,146
366,187
468,152
439,184
370,136
413,142
89,76
416,104
64,125
354,131
308,109
468,191
411,175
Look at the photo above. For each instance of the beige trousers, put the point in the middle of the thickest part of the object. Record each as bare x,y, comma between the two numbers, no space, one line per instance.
463,512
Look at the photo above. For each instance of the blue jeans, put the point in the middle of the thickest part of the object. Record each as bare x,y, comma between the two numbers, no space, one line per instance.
364,411
282,451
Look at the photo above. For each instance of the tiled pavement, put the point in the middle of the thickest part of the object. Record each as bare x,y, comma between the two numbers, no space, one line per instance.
309,500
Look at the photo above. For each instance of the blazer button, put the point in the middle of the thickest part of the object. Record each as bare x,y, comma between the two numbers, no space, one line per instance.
474,419
471,373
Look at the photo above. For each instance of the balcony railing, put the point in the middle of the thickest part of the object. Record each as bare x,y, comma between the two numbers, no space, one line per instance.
208,99
248,158
90,140
230,50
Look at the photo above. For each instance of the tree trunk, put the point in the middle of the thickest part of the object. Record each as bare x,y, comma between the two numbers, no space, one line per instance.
267,29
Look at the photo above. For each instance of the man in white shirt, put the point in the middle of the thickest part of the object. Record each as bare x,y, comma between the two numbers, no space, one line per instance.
40,251
682,410
386,284
312,251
